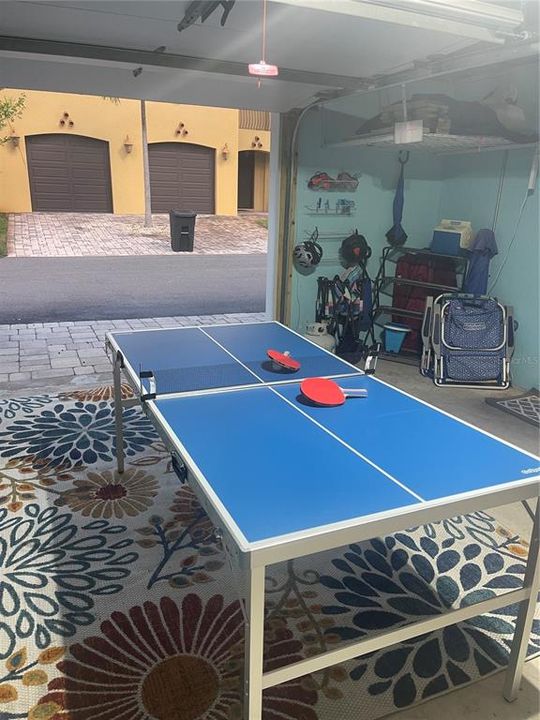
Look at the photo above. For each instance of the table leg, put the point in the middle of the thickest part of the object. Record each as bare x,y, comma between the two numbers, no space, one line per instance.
525,615
254,645
118,415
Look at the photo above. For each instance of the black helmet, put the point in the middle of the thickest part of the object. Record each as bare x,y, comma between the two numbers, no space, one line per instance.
355,250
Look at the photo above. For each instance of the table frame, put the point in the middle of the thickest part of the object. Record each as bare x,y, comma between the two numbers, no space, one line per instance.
253,558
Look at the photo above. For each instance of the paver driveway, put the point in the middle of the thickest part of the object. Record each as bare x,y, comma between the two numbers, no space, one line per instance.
44,352
79,234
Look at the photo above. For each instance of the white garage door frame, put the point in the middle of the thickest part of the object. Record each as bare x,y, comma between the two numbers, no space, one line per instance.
273,215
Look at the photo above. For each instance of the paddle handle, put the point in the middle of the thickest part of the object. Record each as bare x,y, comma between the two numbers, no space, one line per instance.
355,392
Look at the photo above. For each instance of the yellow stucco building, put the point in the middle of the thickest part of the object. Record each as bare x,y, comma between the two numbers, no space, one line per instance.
83,153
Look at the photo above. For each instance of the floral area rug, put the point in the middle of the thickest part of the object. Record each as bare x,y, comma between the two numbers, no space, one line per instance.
116,603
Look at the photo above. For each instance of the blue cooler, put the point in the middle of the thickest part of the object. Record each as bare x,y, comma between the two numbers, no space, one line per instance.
394,335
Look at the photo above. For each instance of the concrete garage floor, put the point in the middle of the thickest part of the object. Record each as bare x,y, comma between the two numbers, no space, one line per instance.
482,700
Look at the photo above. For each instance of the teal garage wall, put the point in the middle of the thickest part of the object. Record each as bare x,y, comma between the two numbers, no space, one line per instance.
458,187
374,197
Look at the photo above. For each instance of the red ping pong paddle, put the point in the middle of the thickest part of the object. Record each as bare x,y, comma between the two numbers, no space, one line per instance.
328,393
283,359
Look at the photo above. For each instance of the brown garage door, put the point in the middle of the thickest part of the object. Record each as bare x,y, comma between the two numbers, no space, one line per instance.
181,177
69,173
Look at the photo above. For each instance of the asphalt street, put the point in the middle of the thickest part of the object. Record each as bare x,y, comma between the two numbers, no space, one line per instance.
104,288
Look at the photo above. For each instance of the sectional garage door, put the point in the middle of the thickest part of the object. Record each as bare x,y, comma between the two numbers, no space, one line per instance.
181,177
69,173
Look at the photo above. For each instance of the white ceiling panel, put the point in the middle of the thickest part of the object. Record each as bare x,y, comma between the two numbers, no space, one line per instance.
317,50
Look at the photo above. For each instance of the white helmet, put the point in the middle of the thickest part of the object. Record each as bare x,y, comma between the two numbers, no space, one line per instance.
309,253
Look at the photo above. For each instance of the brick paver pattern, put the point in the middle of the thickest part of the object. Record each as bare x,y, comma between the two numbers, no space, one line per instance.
43,351
92,234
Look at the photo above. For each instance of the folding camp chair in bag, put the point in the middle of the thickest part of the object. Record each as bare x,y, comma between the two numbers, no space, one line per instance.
468,341
345,304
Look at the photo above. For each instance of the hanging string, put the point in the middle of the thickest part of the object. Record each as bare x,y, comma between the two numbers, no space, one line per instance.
263,40
262,68
264,32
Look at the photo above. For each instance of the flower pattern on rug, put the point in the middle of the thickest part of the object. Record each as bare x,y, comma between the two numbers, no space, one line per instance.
480,527
292,599
80,434
10,408
194,650
21,673
97,570
52,571
389,581
96,394
110,494
186,541
22,479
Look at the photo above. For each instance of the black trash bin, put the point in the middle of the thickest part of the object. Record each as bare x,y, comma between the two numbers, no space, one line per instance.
182,230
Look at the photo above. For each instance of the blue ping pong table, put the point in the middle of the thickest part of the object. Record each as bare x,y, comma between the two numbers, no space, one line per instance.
394,462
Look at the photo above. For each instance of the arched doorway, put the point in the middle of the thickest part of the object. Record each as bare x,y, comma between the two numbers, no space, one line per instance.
253,180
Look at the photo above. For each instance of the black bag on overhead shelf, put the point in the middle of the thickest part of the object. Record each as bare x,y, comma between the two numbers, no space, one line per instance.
459,117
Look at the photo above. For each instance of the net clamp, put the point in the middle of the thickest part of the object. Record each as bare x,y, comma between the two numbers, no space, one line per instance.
152,392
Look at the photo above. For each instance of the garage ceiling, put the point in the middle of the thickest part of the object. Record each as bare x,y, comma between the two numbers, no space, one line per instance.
93,47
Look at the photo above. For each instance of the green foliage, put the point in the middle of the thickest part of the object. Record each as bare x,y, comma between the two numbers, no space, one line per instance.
10,109
3,234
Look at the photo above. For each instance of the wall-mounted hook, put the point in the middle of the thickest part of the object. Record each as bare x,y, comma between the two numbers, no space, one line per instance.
403,156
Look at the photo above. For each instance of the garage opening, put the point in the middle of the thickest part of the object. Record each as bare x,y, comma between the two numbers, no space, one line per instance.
246,177
340,475
253,180
182,177
69,173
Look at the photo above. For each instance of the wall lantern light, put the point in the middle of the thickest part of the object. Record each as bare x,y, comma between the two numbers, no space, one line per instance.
14,140
128,145
225,152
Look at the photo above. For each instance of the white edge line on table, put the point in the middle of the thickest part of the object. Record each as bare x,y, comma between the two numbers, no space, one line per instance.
358,521
325,429
220,508
353,522
459,420
427,404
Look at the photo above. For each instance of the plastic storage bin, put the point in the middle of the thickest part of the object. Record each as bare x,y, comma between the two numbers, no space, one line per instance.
394,335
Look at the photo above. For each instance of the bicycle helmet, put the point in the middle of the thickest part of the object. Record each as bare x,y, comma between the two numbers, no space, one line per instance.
355,250
309,253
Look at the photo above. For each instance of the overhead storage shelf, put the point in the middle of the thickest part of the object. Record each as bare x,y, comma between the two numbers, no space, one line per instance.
438,143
